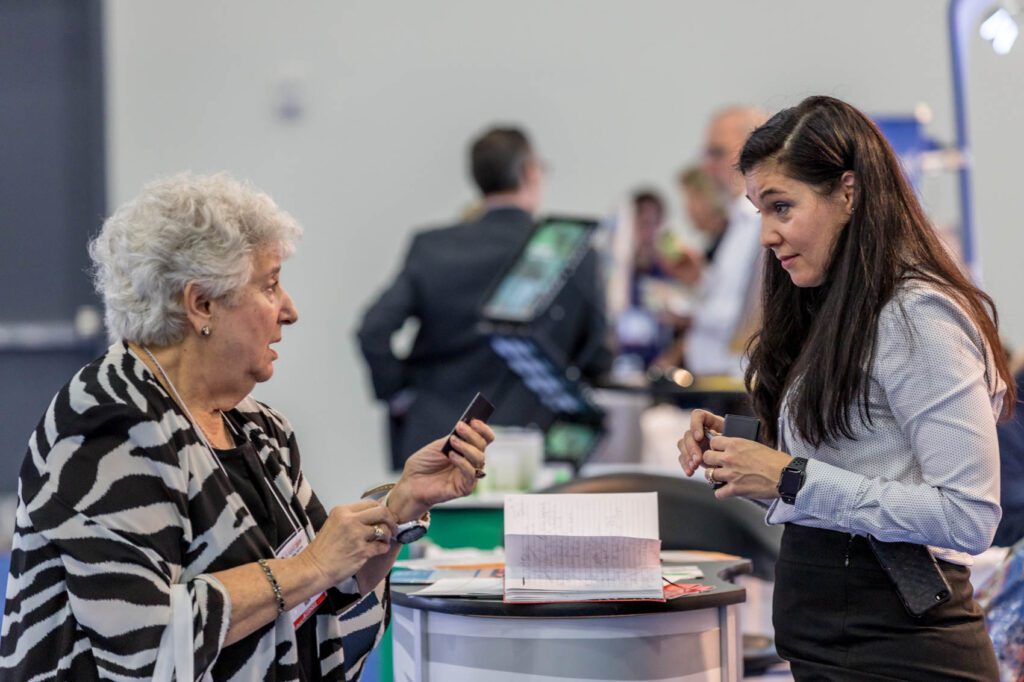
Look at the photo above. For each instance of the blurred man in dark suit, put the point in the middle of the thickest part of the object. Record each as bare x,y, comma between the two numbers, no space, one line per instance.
446,275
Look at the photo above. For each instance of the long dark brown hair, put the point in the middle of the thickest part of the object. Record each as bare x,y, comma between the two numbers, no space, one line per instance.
826,335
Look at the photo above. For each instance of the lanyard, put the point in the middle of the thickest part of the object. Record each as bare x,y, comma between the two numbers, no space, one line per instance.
289,514
293,520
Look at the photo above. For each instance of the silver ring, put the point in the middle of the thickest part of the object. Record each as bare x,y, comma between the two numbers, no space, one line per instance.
378,532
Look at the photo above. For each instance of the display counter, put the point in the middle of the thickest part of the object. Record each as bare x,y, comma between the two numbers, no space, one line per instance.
694,637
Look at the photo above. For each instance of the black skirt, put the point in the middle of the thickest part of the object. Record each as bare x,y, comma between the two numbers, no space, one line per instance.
838,617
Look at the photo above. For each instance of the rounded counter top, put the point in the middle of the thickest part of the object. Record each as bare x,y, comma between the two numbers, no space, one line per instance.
718,574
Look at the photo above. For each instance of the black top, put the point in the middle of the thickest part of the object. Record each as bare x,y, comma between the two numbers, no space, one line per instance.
250,479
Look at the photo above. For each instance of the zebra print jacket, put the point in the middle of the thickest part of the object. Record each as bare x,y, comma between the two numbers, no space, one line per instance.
118,501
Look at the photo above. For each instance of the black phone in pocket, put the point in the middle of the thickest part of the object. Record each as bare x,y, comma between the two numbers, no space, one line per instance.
914,572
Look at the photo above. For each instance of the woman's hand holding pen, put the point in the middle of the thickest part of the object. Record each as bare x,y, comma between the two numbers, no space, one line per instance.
747,468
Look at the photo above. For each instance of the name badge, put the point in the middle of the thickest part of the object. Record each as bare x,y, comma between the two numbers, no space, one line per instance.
289,548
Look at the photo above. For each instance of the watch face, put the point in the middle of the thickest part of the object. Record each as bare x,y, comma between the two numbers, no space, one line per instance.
412,534
792,480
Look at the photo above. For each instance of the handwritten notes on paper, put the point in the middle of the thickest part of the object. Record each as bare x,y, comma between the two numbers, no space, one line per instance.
581,547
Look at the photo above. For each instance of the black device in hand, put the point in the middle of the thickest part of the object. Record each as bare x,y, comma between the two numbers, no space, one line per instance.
479,408
738,426
915,574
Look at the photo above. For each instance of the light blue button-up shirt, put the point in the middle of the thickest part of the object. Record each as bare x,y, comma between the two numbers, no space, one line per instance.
926,470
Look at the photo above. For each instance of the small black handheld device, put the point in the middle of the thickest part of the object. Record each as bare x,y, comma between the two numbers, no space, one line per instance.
914,573
479,408
738,426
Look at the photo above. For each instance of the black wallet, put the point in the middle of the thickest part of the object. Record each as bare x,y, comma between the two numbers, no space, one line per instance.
915,574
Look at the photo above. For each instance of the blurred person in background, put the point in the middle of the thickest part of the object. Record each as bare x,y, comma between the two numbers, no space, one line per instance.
442,282
164,525
1011,465
642,328
707,211
727,284
653,244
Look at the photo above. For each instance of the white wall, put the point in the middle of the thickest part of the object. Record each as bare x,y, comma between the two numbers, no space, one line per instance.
615,94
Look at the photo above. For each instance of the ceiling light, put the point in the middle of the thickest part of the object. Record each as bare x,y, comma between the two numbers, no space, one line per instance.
1000,29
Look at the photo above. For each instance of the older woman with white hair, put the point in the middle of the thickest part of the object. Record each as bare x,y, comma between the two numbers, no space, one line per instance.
164,525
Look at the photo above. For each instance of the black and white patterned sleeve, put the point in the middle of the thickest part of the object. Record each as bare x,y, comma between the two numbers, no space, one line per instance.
105,497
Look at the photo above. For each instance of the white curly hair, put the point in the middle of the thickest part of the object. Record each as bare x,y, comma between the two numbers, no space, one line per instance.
185,228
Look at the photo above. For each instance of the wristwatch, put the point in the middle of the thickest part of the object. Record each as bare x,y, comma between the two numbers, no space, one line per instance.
792,479
411,531
407,532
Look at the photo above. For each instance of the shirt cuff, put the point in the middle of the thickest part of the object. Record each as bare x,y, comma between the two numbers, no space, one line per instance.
217,585
829,493
350,587
778,513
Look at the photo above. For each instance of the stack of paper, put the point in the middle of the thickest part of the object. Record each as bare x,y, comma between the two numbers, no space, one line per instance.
582,547
474,586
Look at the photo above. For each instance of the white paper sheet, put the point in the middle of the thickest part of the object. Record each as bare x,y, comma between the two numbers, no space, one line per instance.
462,587
627,515
568,547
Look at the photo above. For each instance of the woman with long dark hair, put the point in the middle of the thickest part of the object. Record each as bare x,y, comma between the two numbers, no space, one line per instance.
878,379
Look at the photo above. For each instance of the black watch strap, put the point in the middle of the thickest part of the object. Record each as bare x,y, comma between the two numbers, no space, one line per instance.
792,479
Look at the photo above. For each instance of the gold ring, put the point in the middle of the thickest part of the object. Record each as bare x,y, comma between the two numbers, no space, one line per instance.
480,473
709,473
378,532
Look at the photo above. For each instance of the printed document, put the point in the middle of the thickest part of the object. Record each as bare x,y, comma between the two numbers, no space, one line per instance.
582,547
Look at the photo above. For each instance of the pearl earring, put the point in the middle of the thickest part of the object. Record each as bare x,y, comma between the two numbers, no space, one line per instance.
205,331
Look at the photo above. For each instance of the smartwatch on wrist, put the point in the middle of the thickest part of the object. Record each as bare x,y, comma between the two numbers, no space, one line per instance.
792,479
407,532
411,531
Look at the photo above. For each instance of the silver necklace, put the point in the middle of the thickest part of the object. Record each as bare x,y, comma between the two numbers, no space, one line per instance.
296,525
184,407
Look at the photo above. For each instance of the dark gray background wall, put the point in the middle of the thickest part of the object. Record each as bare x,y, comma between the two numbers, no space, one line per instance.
52,198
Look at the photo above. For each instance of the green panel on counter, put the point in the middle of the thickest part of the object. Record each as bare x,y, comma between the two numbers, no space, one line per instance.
480,528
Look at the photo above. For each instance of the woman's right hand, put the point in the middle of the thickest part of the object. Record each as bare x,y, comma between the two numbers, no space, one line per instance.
694,444
348,540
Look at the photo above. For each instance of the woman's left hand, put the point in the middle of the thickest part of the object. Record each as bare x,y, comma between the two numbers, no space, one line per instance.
748,468
431,477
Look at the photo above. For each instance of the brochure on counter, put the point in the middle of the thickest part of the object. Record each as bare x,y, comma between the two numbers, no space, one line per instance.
581,547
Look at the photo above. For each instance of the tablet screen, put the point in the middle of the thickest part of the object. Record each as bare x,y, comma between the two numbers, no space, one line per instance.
538,273
567,441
